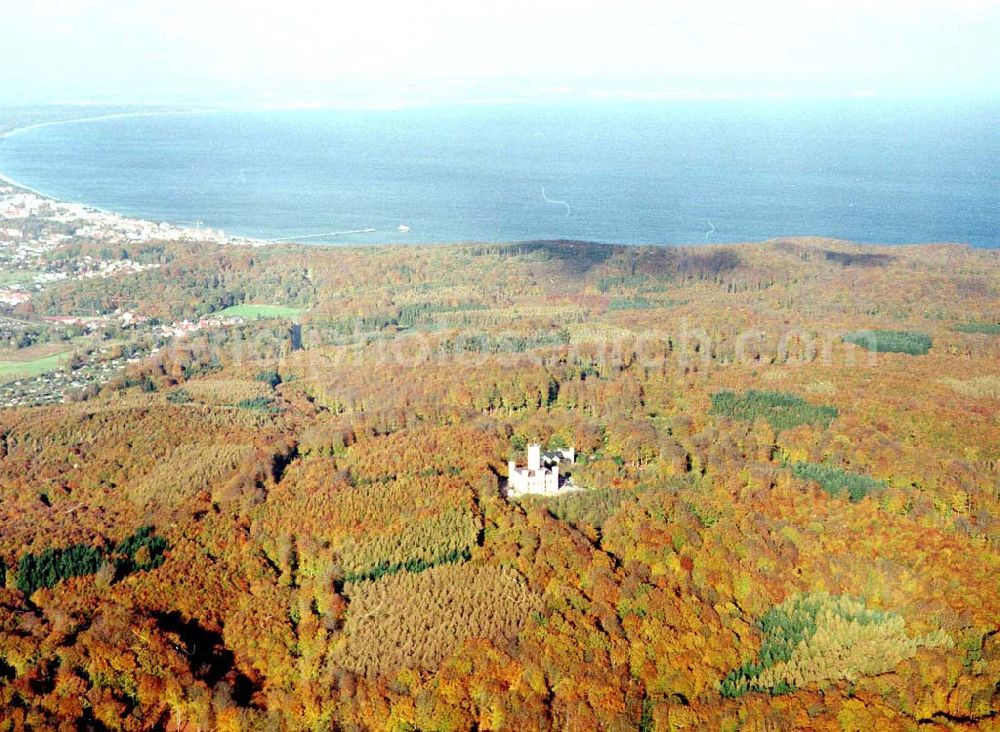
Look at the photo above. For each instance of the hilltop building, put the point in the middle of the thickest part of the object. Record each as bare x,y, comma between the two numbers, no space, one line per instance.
541,476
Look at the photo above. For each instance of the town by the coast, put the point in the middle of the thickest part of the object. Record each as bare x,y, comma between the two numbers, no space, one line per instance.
45,243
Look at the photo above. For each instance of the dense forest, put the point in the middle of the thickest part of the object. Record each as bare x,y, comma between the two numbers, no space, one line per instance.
789,515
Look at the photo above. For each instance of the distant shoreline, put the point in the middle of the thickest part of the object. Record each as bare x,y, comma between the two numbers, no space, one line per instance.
101,117
234,239
7,179
94,118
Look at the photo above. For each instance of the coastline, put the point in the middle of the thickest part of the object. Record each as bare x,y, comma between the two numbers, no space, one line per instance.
11,181
231,239
101,117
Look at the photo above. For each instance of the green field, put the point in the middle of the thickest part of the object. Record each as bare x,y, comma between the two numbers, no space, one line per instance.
252,311
16,276
9,370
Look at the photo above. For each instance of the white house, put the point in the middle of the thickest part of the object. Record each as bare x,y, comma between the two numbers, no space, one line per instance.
541,475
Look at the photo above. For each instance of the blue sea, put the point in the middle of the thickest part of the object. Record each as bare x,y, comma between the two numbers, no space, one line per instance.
660,173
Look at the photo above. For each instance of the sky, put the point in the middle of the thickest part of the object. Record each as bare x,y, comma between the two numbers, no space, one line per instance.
382,53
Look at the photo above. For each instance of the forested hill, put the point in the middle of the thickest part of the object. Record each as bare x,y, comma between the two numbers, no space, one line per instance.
291,517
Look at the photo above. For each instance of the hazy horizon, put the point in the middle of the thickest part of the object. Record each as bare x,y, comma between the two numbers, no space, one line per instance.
387,54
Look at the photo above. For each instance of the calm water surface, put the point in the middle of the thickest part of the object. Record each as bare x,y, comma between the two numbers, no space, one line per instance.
679,172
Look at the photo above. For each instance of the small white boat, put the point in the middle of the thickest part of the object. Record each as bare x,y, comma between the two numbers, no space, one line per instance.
403,229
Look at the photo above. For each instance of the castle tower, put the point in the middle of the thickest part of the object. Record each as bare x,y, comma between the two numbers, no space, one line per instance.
534,457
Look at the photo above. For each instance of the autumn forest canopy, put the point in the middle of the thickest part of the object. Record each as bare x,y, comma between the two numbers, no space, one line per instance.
788,513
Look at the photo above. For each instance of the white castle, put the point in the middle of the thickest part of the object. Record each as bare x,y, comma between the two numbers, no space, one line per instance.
542,473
